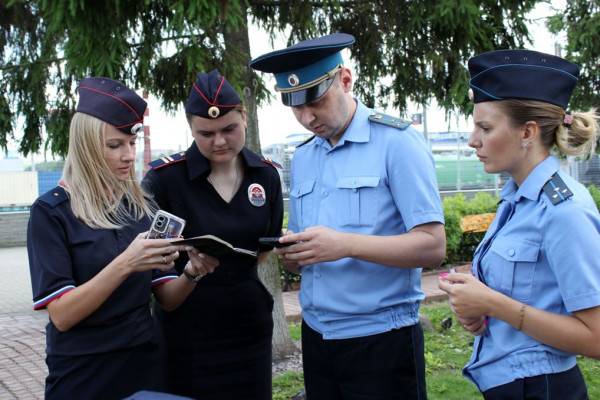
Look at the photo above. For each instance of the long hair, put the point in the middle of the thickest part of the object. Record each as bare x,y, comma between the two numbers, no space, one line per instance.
97,197
578,138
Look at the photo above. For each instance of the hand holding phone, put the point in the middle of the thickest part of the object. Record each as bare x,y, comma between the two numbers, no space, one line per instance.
274,242
165,226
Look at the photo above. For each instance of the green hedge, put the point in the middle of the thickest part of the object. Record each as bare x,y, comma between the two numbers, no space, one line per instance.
459,246
595,192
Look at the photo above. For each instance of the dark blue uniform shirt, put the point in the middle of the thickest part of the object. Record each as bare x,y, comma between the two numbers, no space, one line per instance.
65,253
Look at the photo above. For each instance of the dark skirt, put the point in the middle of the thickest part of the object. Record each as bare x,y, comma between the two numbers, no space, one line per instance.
219,342
104,376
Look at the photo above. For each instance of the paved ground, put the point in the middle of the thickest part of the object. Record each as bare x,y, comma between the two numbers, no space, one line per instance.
22,331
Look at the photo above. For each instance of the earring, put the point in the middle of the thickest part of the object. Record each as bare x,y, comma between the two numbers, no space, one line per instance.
524,145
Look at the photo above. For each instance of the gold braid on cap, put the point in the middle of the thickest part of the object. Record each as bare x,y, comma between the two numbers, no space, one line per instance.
307,85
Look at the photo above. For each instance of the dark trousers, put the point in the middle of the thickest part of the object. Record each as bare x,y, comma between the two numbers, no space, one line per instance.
567,385
386,366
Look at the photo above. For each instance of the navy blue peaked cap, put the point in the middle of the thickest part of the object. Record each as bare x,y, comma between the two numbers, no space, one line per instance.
522,74
304,72
211,96
112,102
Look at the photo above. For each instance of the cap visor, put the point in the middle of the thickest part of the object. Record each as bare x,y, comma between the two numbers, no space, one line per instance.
300,97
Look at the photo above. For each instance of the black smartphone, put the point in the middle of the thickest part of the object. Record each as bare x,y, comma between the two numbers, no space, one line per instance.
273,241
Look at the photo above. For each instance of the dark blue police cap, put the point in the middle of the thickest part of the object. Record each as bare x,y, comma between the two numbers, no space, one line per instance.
211,96
112,102
522,74
305,70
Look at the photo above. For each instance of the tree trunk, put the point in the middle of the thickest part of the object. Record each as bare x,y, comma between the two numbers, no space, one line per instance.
268,273
238,47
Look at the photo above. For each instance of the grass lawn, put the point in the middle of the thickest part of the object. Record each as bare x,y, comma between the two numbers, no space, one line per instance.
445,354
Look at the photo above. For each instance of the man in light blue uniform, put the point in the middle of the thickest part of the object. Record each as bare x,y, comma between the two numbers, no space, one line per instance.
367,215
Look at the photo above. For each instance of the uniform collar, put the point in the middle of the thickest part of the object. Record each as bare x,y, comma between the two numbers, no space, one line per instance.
357,131
198,165
535,181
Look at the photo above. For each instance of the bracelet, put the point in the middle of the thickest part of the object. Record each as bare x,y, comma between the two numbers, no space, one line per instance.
192,278
521,316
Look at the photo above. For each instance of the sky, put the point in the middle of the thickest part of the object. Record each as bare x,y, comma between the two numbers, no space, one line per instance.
169,131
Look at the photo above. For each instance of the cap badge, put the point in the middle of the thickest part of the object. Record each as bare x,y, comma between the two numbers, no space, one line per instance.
214,111
293,80
137,128
256,195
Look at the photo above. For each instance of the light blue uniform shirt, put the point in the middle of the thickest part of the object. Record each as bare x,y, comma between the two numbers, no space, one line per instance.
546,256
377,180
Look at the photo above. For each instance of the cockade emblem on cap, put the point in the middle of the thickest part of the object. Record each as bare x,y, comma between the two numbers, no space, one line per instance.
214,111
137,128
293,80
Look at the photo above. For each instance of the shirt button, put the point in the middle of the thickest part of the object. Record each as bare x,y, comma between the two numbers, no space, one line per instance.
511,252
325,193
317,275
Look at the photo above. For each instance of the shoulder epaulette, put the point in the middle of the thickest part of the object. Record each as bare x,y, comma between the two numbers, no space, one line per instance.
272,163
556,189
306,141
167,160
389,121
54,197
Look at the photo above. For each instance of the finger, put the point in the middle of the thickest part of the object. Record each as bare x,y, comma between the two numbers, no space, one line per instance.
300,256
444,285
142,235
287,232
457,277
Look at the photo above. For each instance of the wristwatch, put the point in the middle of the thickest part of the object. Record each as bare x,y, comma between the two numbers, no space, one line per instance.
192,278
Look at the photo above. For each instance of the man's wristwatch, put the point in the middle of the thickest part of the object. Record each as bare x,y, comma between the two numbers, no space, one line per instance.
192,278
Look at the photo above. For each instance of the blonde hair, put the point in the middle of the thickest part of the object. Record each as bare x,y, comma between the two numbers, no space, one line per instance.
577,139
97,196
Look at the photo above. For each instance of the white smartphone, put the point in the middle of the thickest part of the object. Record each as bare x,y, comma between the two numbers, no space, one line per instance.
165,226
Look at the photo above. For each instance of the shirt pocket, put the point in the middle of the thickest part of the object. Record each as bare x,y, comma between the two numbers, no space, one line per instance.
516,264
357,200
304,203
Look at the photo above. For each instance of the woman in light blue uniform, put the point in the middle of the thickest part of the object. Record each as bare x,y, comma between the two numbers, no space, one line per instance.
533,299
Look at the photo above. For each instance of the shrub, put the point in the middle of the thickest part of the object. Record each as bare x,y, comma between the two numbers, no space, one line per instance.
595,192
460,246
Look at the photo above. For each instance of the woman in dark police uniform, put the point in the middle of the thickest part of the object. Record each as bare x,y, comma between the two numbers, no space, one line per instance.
534,297
219,341
91,266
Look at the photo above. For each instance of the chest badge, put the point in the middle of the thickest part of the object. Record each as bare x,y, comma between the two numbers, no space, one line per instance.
256,195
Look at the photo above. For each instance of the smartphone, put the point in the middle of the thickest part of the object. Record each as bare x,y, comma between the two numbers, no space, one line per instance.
273,241
165,226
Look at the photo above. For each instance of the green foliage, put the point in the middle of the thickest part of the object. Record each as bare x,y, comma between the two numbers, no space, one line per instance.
419,46
446,352
581,22
459,246
595,192
286,385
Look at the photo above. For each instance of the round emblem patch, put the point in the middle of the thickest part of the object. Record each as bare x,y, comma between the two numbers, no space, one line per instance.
293,80
256,195
137,129
214,111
